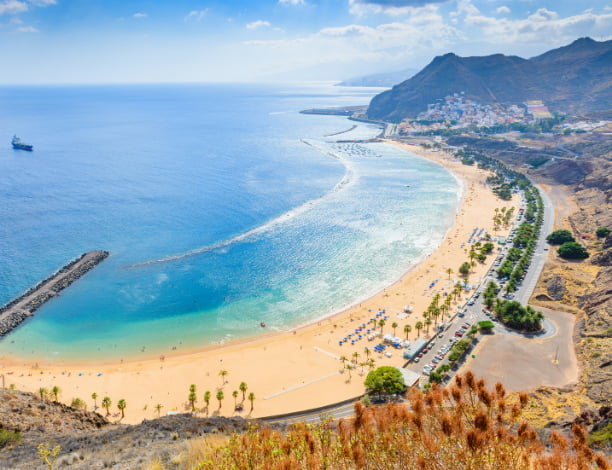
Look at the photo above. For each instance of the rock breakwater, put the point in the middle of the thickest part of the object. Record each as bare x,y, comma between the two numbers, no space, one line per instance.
17,310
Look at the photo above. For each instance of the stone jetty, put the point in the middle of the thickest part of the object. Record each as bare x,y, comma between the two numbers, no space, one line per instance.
24,306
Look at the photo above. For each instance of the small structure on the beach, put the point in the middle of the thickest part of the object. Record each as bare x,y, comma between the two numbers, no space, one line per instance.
411,378
408,309
415,348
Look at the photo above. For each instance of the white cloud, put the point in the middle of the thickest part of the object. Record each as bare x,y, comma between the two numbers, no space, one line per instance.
139,15
12,7
15,21
196,15
43,3
291,2
389,7
258,24
503,9
27,29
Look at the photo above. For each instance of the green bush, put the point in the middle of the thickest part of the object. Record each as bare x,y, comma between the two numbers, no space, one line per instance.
8,437
486,325
602,232
572,250
558,237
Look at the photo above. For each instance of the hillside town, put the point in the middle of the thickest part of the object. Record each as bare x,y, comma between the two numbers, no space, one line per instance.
456,112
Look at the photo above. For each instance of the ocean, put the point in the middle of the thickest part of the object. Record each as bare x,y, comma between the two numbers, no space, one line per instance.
221,205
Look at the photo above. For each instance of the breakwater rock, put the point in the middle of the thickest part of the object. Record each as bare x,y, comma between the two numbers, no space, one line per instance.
17,310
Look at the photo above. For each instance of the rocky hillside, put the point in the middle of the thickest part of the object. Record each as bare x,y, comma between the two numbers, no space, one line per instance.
89,441
574,79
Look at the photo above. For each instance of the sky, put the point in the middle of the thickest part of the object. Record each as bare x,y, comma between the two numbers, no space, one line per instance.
138,41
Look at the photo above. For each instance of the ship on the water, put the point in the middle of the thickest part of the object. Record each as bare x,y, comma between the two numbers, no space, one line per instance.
19,145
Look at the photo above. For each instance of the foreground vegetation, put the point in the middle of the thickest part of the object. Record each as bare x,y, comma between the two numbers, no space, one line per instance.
466,426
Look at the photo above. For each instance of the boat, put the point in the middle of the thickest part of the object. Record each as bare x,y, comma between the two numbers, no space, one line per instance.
262,324
19,145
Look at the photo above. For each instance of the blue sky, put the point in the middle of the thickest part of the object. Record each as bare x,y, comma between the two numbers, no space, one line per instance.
124,41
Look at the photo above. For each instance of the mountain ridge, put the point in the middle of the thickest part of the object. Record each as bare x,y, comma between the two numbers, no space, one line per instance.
575,79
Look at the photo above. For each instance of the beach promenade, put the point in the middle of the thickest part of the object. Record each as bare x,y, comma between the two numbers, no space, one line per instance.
16,311
286,371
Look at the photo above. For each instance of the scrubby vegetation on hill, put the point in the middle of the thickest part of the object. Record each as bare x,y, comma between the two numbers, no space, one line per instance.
465,427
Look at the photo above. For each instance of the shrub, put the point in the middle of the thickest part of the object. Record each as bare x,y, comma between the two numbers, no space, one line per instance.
572,250
385,380
8,437
486,325
558,237
602,232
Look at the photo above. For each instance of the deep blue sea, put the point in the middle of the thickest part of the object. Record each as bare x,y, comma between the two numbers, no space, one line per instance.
221,206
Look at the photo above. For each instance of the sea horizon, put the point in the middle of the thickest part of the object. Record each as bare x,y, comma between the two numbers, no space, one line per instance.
222,207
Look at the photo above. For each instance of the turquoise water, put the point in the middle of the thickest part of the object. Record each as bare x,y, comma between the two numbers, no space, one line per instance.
222,207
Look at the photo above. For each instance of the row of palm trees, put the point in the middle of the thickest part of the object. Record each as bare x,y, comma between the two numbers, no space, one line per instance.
192,398
80,404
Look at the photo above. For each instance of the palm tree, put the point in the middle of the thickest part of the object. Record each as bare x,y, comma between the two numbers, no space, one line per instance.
419,327
106,403
367,352
394,325
349,367
407,330
207,399
220,397
428,322
43,393
56,391
235,395
449,271
192,388
381,323
243,387
355,357
343,360
94,395
251,399
158,407
121,404
371,363
223,374
192,399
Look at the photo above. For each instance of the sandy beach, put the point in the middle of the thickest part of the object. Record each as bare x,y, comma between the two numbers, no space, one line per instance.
289,371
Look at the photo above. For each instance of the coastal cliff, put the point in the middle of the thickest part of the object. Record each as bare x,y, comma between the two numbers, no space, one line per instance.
17,310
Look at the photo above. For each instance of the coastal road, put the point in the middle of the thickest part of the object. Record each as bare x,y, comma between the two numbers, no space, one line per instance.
540,253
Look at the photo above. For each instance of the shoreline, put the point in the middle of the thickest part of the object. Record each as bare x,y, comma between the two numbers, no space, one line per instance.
289,370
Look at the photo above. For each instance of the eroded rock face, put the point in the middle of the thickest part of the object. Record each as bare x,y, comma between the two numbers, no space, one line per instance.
556,288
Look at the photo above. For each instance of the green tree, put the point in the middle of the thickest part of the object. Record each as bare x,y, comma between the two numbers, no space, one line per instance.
251,399
222,374
235,395
56,392
94,395
407,330
207,399
106,403
449,271
394,325
385,380
464,269
43,393
192,398
572,250
419,326
381,323
243,388
558,237
602,232
48,455
220,397
158,408
121,404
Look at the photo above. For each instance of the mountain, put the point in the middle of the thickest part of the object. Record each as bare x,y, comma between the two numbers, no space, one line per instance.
387,79
574,79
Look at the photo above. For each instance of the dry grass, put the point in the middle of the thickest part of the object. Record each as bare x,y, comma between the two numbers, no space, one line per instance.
464,427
